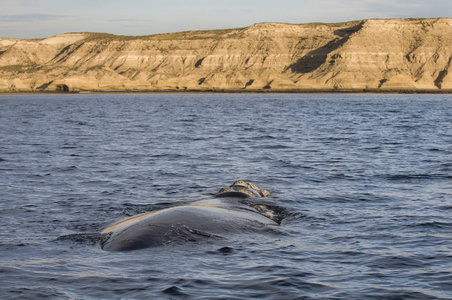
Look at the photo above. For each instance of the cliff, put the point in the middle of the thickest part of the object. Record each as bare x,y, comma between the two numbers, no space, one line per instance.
371,55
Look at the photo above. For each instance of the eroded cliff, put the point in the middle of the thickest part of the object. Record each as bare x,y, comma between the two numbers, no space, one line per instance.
372,55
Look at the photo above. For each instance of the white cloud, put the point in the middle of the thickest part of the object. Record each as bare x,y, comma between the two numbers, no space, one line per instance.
19,18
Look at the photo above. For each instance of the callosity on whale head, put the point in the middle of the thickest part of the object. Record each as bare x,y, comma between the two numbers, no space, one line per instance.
243,189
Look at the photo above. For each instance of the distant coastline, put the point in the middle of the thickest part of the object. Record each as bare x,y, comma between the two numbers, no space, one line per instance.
368,56
317,91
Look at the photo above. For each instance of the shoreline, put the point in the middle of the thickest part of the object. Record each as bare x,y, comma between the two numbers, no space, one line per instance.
235,91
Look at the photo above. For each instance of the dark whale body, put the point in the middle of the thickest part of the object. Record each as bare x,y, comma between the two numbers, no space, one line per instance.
233,211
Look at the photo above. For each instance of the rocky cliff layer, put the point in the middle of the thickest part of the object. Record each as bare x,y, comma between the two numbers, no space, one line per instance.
372,55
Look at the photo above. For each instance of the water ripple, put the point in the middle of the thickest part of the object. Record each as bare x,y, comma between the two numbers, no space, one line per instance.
364,181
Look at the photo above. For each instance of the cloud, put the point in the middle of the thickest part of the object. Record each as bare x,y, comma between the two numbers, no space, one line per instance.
21,18
392,9
221,9
130,20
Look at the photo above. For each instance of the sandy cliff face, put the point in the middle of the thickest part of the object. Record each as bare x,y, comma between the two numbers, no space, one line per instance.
397,54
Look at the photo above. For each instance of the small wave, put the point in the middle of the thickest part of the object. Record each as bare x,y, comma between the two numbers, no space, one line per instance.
381,293
403,177
36,293
435,150
358,197
12,247
435,224
223,251
263,138
76,122
286,284
395,262
66,169
341,176
68,147
168,156
7,169
275,147
168,173
174,291
445,207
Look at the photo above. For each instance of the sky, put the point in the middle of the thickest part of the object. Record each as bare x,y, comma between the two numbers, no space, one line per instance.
46,18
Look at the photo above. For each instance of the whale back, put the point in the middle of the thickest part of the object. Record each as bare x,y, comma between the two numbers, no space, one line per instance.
232,211
180,224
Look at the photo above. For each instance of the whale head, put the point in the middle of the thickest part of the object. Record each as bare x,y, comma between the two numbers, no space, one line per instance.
242,189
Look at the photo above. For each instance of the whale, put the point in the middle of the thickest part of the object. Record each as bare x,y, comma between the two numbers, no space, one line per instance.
238,209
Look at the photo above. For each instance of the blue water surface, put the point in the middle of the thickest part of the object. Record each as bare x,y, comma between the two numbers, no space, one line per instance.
366,181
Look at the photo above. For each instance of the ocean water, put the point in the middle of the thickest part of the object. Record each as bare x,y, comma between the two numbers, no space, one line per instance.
366,182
